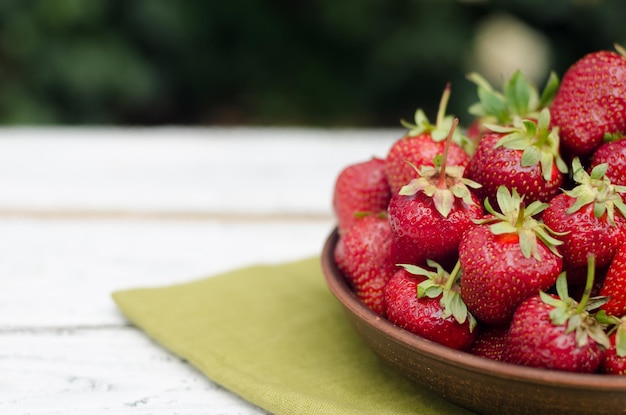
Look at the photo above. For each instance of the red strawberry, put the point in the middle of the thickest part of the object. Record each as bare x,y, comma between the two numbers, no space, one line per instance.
614,362
363,254
427,303
429,215
524,157
519,98
556,333
591,218
506,258
421,144
490,341
612,153
591,101
614,285
360,187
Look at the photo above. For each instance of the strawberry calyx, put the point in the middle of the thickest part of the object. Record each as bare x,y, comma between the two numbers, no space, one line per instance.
439,130
441,182
515,217
440,282
538,142
519,98
429,182
617,327
595,187
576,315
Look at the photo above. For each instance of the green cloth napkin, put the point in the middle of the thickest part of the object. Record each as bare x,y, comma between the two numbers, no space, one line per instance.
276,336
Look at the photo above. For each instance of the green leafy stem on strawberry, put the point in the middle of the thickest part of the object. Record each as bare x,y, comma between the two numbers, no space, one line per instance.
576,315
519,98
596,188
443,124
538,141
616,326
516,218
444,284
442,182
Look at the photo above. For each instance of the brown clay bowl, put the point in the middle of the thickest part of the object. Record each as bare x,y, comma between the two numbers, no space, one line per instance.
478,384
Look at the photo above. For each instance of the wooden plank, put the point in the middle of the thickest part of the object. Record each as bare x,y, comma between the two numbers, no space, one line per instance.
107,370
179,169
60,273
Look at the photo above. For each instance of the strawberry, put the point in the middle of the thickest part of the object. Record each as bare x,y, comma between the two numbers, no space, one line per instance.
524,157
429,215
422,142
506,258
591,218
518,99
556,332
360,187
614,285
427,303
490,341
613,153
591,101
614,362
363,254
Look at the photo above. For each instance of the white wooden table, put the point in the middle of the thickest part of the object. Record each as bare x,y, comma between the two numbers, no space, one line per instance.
85,212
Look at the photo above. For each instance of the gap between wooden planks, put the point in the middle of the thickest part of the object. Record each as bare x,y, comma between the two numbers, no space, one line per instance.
166,215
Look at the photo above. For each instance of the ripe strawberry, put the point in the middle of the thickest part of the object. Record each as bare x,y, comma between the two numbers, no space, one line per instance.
421,144
556,332
519,98
427,303
490,341
590,218
591,101
614,285
429,215
524,157
612,153
506,258
614,362
359,188
363,254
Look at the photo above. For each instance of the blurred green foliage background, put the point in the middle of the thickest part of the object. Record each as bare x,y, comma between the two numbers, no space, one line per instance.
328,63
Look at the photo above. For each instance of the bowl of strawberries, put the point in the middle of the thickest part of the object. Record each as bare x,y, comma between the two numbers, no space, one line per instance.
488,264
